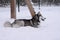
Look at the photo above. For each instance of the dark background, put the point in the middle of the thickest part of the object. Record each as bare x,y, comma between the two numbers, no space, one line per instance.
35,2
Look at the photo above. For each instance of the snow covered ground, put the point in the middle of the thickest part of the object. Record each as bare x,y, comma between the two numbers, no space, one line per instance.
48,30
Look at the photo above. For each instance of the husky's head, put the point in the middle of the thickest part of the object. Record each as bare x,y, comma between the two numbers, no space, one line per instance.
37,17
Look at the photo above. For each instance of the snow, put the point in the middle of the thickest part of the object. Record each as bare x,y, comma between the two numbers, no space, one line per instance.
48,30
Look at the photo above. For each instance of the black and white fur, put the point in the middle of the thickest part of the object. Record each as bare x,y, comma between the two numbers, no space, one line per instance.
34,22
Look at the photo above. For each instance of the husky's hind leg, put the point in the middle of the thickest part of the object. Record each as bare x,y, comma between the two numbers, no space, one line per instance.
7,24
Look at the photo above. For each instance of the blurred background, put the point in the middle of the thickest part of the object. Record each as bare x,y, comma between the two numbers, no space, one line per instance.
5,3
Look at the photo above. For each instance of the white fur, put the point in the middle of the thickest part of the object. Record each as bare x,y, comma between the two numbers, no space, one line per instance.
10,21
18,24
7,24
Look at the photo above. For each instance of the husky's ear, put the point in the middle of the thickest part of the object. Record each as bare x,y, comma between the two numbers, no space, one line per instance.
39,14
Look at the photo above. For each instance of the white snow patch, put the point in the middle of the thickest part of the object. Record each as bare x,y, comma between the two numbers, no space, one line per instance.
48,30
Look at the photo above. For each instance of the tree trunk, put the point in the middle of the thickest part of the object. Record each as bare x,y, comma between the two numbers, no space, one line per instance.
13,9
30,7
